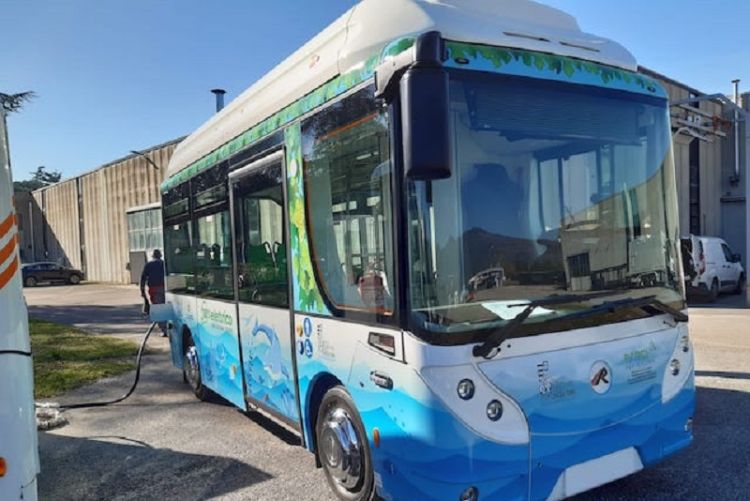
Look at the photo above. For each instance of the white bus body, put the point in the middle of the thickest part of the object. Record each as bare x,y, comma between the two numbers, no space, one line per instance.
398,243
18,436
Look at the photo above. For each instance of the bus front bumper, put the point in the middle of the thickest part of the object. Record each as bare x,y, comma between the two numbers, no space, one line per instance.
433,467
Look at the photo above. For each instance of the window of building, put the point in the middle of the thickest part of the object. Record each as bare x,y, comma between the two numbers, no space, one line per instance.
261,244
347,173
144,230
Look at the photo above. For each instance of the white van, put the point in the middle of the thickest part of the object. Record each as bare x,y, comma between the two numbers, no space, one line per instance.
711,267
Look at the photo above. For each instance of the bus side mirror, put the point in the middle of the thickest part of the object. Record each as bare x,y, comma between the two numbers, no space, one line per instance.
425,118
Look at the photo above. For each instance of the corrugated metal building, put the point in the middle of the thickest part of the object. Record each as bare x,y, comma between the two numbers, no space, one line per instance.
83,222
698,166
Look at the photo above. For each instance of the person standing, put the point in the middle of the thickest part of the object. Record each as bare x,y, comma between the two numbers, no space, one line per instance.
153,277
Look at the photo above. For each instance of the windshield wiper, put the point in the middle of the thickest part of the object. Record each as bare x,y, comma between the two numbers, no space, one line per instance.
488,349
638,302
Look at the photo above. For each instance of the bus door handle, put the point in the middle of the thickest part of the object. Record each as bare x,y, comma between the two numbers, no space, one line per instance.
381,379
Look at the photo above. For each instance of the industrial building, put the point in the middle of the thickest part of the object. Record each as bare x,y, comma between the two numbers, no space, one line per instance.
83,222
105,222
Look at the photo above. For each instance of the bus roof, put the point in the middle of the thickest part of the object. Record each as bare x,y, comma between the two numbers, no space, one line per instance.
367,28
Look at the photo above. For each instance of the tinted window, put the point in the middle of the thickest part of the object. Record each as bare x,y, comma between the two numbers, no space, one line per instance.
176,209
347,173
213,256
178,257
261,243
209,187
178,234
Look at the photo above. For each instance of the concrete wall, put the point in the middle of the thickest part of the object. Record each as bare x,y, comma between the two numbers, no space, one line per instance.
29,222
85,216
60,211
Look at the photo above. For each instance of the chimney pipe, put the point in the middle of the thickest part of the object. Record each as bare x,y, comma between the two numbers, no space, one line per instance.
736,177
219,93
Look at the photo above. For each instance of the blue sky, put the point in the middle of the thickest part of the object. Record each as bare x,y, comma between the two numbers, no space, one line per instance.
117,76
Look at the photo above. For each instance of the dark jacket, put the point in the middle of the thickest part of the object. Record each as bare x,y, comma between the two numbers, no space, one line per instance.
153,274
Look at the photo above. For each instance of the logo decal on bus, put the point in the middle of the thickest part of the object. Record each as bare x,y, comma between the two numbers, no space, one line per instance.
600,377
545,383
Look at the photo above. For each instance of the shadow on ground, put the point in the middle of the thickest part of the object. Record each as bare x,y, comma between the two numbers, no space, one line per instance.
133,470
715,466
101,319
724,301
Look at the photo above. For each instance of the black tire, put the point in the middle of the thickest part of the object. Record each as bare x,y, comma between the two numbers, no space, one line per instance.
74,279
713,293
358,486
740,287
30,282
191,374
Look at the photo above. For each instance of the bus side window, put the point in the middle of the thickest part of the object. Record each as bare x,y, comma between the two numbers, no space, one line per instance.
261,242
178,254
347,172
213,256
212,251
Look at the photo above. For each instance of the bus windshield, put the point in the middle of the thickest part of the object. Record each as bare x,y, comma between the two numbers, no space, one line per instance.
557,189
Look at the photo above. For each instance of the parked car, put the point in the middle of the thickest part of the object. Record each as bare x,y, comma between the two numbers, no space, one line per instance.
35,273
711,267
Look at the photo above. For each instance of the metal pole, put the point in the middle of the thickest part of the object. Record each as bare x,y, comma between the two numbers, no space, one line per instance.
145,157
5,138
746,174
31,228
736,179
219,93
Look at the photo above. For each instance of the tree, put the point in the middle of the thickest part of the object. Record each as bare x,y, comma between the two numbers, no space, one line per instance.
11,103
43,176
14,102
39,179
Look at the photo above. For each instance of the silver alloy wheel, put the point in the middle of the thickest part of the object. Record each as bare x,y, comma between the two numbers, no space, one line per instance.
341,449
192,370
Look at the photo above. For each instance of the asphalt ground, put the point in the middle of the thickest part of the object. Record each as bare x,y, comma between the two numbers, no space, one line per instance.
162,443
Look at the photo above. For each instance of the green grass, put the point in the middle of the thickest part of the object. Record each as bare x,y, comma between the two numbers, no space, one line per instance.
66,358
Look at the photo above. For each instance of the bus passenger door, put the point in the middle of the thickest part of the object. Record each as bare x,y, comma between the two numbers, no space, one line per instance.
262,286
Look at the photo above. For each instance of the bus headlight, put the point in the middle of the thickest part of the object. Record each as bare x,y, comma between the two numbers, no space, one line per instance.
678,371
494,410
478,404
685,343
465,389
674,367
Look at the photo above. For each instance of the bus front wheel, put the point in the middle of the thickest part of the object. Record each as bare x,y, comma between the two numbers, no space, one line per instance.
342,447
